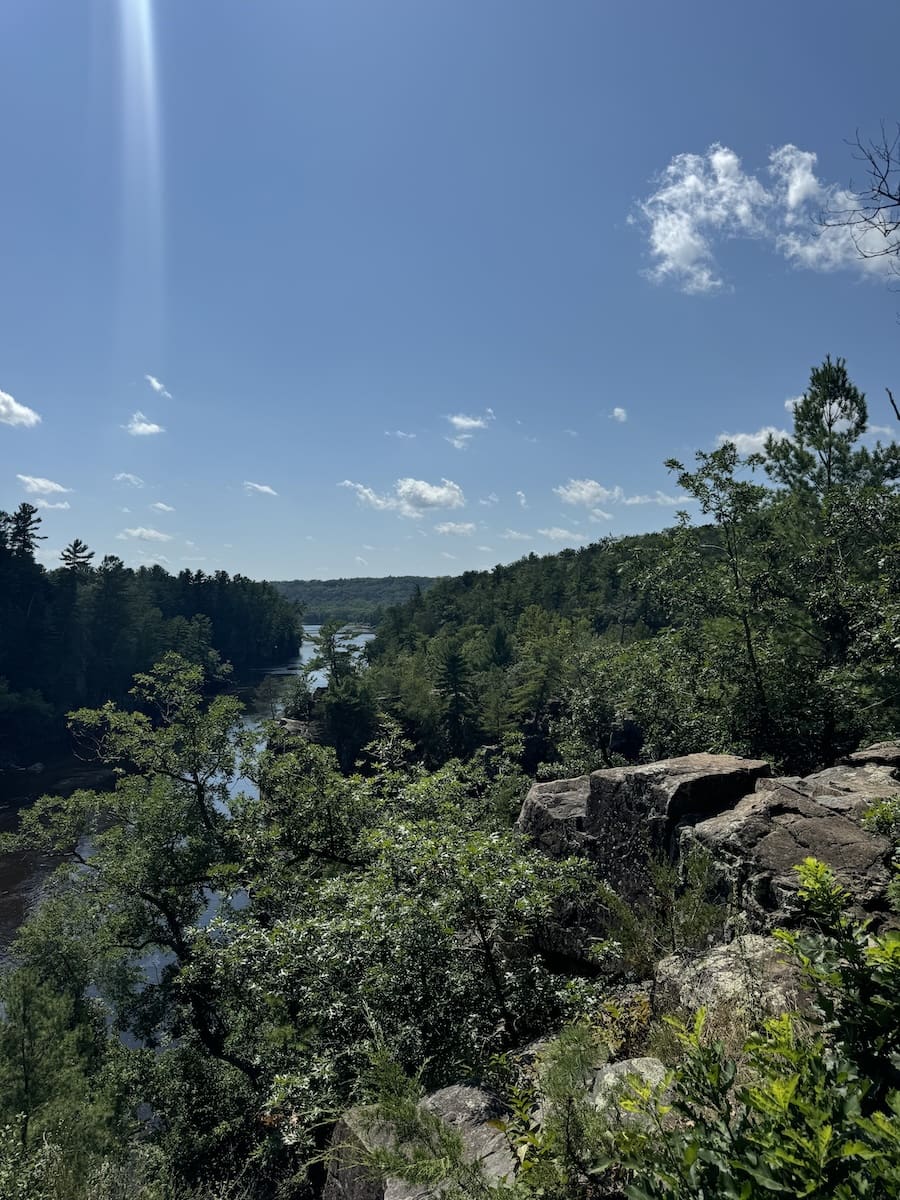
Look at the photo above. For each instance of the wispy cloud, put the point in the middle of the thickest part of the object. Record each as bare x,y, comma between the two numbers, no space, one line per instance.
522,499
556,534
158,386
363,562
464,426
160,507
14,413
140,426
446,554
485,549
702,200
752,443
410,497
37,486
127,477
490,500
399,433
515,535
143,534
460,528
258,488
53,504
619,414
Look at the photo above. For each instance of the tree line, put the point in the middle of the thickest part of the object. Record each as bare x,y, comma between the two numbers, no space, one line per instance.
77,634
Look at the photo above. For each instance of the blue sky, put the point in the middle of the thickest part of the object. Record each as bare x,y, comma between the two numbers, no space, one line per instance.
387,286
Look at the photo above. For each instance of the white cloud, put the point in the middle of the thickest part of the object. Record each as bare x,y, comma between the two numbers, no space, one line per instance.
619,414
158,387
363,562
411,497
14,413
36,486
751,443
555,534
444,554
522,499
140,426
886,430
598,514
258,489
571,432
463,528
160,507
491,499
127,477
485,549
588,492
658,497
459,441
398,433
702,200
791,403
464,424
51,504
513,535
142,534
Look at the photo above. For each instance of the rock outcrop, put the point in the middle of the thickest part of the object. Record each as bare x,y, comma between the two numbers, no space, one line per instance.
750,974
466,1109
757,843
882,754
617,816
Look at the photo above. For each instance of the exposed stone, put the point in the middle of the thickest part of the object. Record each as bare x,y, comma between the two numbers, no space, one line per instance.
612,1083
758,842
882,754
751,974
468,1110
851,790
616,816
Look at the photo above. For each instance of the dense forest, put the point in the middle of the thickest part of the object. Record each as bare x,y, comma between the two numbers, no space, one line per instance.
207,987
361,600
77,634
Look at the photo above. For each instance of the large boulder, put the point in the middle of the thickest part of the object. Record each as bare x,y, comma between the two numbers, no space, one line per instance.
853,789
468,1110
882,754
616,816
613,1083
757,843
750,975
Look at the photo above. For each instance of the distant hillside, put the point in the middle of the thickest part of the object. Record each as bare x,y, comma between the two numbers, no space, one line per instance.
363,600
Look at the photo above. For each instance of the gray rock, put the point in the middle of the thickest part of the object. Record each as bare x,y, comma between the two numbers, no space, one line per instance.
468,1110
751,974
757,843
613,1081
616,816
882,754
851,790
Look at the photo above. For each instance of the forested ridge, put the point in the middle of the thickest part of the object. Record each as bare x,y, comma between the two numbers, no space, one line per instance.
362,923
359,599
77,634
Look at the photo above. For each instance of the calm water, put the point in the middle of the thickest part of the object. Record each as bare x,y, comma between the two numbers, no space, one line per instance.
22,875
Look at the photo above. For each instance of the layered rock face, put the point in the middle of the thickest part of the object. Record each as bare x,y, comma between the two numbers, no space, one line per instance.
756,828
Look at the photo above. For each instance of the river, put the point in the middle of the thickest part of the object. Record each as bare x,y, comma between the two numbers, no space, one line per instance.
22,875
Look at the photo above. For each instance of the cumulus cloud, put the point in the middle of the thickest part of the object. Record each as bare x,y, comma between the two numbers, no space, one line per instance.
556,534
53,504
140,426
752,443
36,486
461,528
522,499
619,414
127,477
14,413
143,534
410,497
160,507
158,387
703,200
588,493
258,489
514,535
